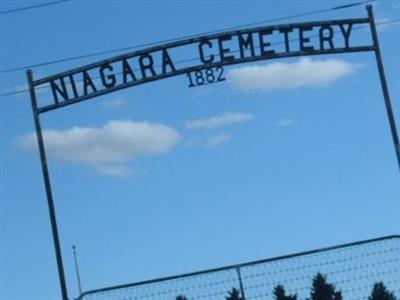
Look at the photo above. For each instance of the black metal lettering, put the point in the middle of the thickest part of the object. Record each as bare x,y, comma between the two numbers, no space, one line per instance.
346,33
199,77
264,44
221,72
73,85
146,65
167,61
108,81
87,82
303,40
156,62
245,43
326,38
224,50
127,71
202,58
210,77
57,90
189,75
286,31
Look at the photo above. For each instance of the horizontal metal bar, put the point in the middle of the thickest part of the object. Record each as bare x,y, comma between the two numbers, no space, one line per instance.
203,66
197,39
348,245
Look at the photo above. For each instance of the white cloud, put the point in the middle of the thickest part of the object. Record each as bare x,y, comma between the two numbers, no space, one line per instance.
384,24
115,104
278,75
217,140
107,149
218,121
208,141
23,90
20,87
114,170
285,123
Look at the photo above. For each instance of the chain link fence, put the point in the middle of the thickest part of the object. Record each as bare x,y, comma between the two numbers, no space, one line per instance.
352,268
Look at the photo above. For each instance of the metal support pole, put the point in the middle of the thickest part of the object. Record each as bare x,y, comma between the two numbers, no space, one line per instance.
78,276
385,89
49,195
240,283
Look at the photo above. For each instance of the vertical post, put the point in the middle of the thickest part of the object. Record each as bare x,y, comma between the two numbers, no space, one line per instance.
49,195
78,277
240,283
385,89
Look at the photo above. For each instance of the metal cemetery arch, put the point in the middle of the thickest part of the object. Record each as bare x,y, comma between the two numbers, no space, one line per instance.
66,91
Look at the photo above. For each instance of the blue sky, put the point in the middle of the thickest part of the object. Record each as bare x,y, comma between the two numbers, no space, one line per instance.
162,179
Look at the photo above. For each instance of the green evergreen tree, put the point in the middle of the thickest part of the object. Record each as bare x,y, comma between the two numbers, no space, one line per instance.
380,292
280,294
322,290
234,294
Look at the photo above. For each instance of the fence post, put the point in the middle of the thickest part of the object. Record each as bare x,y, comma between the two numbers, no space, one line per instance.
240,282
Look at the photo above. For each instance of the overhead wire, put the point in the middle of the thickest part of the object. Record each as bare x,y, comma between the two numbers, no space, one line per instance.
192,59
72,58
5,12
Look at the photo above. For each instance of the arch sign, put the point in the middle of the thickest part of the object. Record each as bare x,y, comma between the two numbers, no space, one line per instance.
212,53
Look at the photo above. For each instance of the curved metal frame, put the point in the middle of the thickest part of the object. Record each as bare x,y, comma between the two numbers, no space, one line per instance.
303,52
